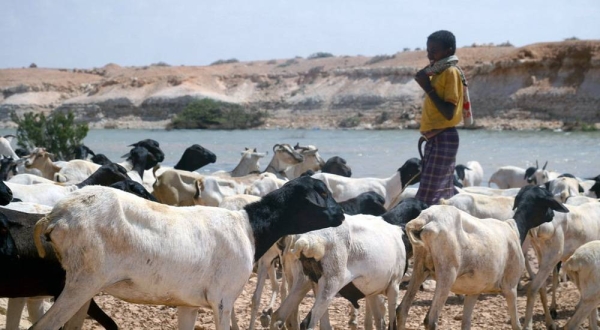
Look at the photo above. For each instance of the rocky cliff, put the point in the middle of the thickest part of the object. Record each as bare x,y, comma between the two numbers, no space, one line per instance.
549,85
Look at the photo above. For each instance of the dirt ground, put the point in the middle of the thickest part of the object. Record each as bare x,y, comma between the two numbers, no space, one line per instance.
490,311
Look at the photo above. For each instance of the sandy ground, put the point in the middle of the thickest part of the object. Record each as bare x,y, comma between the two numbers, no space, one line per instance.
490,311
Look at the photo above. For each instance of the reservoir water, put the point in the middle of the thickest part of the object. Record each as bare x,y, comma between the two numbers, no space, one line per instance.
369,153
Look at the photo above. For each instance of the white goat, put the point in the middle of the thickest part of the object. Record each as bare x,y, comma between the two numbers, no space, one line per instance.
470,174
176,187
344,188
5,147
264,184
557,241
249,163
583,267
211,190
470,256
365,253
144,252
491,191
563,188
509,177
26,178
283,157
482,206
312,161
75,171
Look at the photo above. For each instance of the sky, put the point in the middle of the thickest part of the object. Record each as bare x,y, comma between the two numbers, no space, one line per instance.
88,34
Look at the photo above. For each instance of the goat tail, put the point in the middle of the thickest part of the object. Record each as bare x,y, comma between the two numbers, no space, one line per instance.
444,202
39,229
309,248
413,231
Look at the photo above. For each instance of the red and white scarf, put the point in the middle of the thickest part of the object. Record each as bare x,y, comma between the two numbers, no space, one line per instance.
441,65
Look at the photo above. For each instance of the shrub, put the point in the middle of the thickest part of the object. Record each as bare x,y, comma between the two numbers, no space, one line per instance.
33,65
231,60
272,62
571,39
288,63
505,44
319,55
58,133
211,114
350,122
379,58
161,63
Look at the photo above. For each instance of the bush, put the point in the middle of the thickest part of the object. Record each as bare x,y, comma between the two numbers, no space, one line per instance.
379,58
350,122
319,55
231,60
211,114
58,133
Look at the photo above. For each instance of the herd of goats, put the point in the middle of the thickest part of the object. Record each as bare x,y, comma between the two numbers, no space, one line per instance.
152,234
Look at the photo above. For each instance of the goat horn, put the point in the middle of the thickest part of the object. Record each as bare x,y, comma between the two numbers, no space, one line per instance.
276,146
536,164
543,168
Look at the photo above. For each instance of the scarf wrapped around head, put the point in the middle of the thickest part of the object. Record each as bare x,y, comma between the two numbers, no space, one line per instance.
441,65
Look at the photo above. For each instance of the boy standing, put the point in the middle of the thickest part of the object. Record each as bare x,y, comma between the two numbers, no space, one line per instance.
444,85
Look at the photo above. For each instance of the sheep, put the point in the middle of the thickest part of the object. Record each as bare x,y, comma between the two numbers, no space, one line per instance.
41,160
248,164
482,206
264,184
366,203
564,187
75,171
209,265
471,174
30,275
491,191
237,202
6,194
25,178
470,256
176,187
583,267
312,162
133,187
541,176
345,188
555,242
283,157
337,165
82,152
211,190
49,194
5,147
195,157
100,159
363,257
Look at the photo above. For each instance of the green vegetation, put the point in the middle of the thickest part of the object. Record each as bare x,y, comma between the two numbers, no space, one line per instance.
211,114
231,60
350,121
319,55
58,133
379,58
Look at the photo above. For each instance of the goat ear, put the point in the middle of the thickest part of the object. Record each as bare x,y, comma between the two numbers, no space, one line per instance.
245,148
556,206
126,155
580,188
316,199
254,150
89,151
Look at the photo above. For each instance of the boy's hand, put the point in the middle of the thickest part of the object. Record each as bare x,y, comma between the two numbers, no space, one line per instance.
423,80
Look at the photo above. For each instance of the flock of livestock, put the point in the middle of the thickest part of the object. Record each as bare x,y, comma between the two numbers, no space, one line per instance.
158,235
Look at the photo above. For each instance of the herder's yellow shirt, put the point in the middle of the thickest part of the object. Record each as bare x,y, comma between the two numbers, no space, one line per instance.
448,86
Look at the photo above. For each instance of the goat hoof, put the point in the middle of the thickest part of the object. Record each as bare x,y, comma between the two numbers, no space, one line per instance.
277,325
553,314
265,320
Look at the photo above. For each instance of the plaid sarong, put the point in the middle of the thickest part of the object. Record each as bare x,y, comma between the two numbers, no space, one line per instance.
441,65
437,174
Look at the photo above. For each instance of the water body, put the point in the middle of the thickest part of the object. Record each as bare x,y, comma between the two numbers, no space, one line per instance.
369,153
